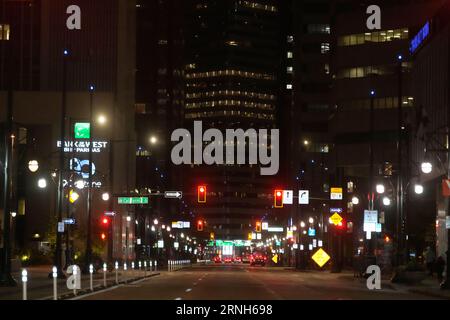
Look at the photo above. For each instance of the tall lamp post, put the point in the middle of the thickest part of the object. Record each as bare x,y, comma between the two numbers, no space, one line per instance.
88,255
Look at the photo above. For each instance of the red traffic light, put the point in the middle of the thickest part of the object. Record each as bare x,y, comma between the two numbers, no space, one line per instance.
201,193
278,199
258,226
105,221
200,225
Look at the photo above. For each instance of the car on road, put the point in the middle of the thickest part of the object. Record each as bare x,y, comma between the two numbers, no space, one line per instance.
258,260
217,259
246,259
238,260
228,260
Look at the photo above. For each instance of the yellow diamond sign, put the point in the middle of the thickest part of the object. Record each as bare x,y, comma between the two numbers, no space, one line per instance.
275,258
321,257
336,219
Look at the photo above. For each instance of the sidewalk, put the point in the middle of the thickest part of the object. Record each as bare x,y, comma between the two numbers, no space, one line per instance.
428,287
40,286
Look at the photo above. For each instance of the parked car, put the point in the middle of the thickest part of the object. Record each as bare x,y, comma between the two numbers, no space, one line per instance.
238,260
258,259
217,259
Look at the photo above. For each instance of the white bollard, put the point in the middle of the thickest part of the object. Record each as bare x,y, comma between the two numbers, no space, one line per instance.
117,272
151,265
91,281
145,268
75,275
156,265
125,268
140,268
24,283
55,283
105,269
133,267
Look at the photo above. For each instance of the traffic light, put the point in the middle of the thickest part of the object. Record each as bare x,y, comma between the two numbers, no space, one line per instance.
201,193
105,221
199,225
258,226
278,198
212,236
73,196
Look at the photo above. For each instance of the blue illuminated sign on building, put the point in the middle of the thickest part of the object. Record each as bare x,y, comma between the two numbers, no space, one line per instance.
418,40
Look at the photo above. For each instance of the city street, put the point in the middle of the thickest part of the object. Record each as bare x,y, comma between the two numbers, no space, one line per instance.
241,282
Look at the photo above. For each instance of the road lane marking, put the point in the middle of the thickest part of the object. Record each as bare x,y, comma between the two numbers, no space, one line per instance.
178,299
97,292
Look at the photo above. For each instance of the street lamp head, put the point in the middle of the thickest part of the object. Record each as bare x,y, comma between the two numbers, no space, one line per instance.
155,222
355,200
101,119
386,201
153,140
418,189
400,57
302,224
42,183
33,166
426,167
380,188
66,52
91,88
372,93
105,196
311,220
128,218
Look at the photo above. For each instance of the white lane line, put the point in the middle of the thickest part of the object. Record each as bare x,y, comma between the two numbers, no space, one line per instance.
178,299
188,290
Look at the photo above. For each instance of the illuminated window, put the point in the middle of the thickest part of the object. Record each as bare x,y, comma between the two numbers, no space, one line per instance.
290,54
319,29
378,36
4,31
289,86
324,47
290,69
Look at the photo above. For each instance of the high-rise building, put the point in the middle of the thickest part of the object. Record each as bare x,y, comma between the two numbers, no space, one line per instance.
232,72
99,52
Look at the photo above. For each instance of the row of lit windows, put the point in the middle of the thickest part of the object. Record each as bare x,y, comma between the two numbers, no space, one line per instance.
230,93
362,72
245,74
317,147
225,113
4,31
259,6
378,36
318,29
379,103
231,103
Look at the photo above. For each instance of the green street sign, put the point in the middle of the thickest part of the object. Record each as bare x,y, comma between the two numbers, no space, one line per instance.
133,200
82,130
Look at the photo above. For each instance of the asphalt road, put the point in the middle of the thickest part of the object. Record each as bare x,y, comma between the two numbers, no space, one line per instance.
241,282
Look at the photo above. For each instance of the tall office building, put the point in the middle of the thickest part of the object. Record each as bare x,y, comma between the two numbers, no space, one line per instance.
232,72
100,52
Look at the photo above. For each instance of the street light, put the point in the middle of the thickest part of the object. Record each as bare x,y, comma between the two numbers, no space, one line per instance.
386,201
380,188
101,119
42,183
355,200
311,220
33,166
302,224
427,167
418,189
105,196
155,222
153,140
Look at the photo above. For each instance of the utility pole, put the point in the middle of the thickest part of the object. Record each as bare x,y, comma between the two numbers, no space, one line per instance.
371,166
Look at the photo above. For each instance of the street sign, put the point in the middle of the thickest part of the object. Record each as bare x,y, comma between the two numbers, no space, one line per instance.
61,227
311,232
288,197
275,258
173,194
289,234
336,210
336,194
133,200
336,219
370,220
321,257
447,222
265,226
275,229
70,221
110,213
303,197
